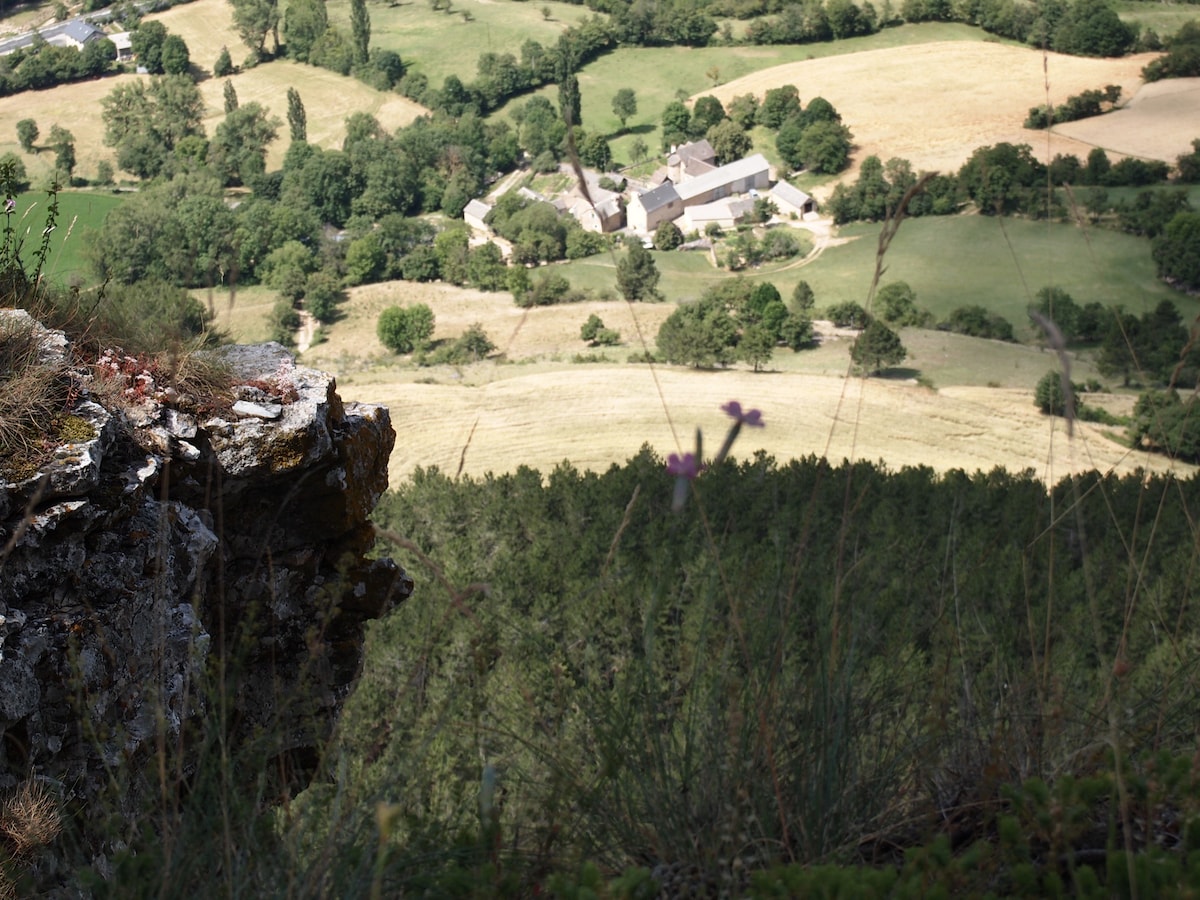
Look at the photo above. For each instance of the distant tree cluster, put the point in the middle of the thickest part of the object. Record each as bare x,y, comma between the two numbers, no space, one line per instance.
1080,106
42,65
1182,59
1001,179
733,321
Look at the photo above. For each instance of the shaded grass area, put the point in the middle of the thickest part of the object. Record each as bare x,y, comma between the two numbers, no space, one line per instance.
245,315
78,213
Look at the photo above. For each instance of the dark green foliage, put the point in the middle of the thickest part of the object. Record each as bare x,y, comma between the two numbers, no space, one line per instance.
1092,28
296,116
1163,422
238,150
1002,179
1187,165
486,268
1150,211
321,296
667,236
978,321
676,124
778,105
62,142
14,169
796,331
729,140
1057,306
570,101
707,111
1177,250
595,153
284,321
1049,395
896,303
637,275
877,348
546,290
230,96
803,298
701,334
304,23
175,56
848,314
27,134
1080,106
594,332
360,29
224,65
624,105
1182,59
146,42
405,329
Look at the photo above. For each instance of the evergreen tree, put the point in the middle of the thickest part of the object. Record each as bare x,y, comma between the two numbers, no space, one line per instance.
224,64
296,116
637,275
360,27
570,101
231,97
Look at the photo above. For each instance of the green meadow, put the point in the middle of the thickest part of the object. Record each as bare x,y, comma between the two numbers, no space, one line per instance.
441,43
949,262
78,213
994,263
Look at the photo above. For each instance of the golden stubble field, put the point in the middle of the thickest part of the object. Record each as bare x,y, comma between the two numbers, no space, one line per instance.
539,408
934,104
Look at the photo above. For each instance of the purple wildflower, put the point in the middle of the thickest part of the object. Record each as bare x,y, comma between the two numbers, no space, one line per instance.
751,417
684,466
9,205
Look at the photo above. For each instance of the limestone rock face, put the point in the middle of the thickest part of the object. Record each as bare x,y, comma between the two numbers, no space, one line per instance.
169,544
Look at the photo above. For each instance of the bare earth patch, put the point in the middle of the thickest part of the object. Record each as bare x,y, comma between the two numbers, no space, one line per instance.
934,104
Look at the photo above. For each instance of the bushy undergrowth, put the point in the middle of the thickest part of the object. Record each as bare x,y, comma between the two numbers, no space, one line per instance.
808,664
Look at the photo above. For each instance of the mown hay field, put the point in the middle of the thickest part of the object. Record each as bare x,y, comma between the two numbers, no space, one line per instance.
1159,122
934,104
597,415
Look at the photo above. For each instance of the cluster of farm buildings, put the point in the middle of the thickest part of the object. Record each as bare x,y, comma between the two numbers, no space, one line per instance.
691,190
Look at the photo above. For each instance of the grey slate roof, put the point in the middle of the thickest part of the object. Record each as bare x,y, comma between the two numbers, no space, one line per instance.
663,195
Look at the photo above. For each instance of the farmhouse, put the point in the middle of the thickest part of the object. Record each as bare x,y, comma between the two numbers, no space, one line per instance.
690,161
651,208
734,178
75,34
791,201
668,201
605,215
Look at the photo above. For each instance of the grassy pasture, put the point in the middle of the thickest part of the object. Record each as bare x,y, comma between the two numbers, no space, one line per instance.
78,213
438,44
964,260
1164,18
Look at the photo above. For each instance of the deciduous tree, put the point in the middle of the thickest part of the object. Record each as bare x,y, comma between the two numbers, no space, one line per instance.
637,275
624,105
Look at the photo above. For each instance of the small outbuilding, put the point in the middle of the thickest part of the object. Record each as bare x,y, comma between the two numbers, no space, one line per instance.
791,200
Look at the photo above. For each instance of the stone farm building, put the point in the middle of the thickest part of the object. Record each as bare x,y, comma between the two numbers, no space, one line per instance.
648,210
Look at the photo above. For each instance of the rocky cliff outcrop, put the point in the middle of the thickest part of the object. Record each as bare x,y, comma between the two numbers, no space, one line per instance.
164,551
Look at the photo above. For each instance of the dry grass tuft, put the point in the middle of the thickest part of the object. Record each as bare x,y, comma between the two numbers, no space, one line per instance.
29,818
34,389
